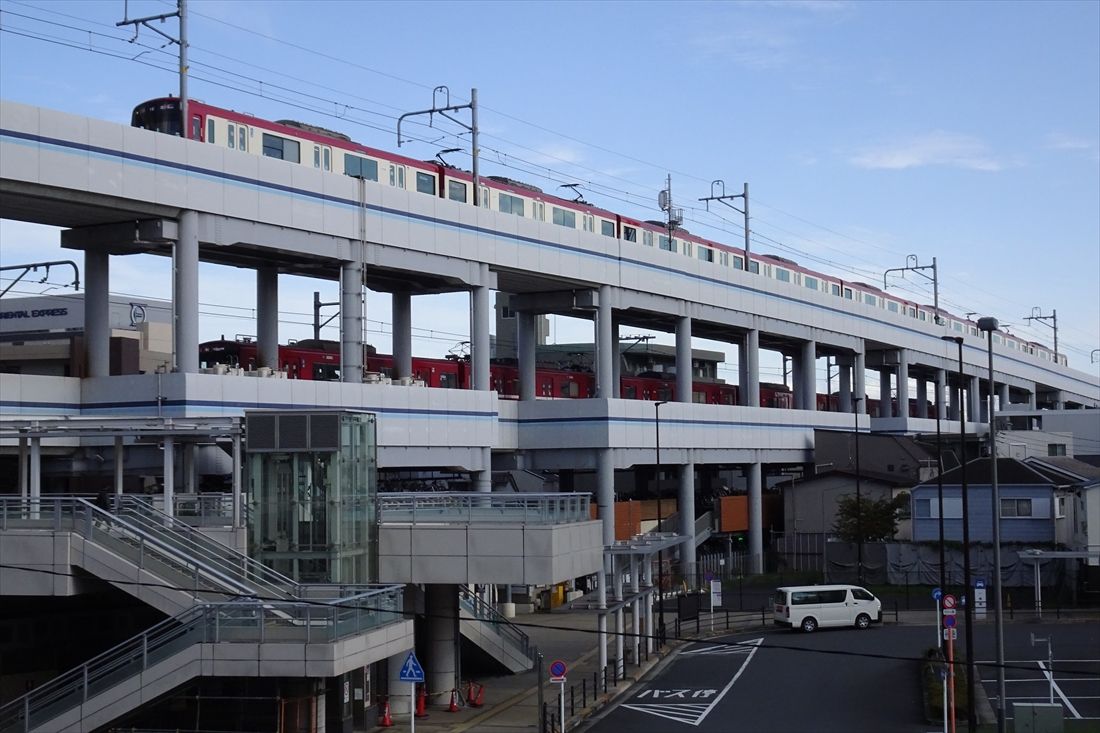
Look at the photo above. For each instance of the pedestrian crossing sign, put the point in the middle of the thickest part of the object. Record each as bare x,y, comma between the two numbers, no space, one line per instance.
411,671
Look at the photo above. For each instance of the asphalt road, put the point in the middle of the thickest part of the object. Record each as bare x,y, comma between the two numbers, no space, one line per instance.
831,680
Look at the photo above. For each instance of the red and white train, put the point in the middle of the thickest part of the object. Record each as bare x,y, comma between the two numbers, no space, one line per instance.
309,145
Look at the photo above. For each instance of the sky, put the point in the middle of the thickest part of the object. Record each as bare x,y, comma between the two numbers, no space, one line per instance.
867,131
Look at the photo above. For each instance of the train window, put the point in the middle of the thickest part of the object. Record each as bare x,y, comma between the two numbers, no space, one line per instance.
509,204
669,245
922,315
699,398
834,289
754,266
664,393
810,282
724,259
242,138
316,156
570,389
589,223
630,392
231,137
196,127
870,299
565,218
738,263
630,234
647,238
848,293
688,247
538,211
326,156
456,191
783,276
891,306
607,228
957,326
448,381
209,129
279,147
484,199
357,167
425,183
706,254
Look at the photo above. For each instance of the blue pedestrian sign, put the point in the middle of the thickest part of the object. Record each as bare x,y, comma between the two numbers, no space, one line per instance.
979,583
411,671
937,594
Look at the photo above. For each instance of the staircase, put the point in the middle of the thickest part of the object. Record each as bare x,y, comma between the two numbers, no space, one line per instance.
493,633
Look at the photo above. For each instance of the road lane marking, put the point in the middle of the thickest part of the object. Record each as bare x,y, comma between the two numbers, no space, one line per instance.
1050,678
690,713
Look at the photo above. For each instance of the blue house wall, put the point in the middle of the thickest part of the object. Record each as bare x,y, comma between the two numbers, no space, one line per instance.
1034,529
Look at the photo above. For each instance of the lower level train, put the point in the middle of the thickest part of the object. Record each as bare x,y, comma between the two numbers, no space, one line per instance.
319,360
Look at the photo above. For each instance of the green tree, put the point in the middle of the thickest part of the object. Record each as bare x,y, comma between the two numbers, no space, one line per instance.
879,520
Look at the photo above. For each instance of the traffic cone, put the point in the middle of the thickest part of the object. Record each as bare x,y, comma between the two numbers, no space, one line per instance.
475,694
422,703
387,721
480,696
453,707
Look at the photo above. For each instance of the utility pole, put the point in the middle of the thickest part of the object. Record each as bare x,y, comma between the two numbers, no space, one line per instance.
674,217
317,305
1037,315
718,193
181,13
442,112
919,269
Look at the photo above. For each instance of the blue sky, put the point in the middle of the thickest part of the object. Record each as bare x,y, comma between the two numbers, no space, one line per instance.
867,131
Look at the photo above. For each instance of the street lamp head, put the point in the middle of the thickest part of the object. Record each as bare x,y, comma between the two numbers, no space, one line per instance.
952,339
662,402
987,324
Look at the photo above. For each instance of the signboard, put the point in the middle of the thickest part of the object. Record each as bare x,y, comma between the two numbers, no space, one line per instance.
715,594
937,594
979,598
949,622
950,634
557,668
949,601
411,671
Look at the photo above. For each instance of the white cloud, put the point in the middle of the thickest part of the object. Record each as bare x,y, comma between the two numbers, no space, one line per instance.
1070,143
936,148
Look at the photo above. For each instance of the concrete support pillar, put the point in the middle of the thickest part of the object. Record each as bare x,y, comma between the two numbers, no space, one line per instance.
756,520
650,629
169,476
267,317
903,384
24,473
845,375
686,508
402,335
884,406
185,305
601,598
352,320
922,396
809,375
1032,400
236,487
605,493
442,664
97,313
616,360
859,382
189,486
957,399
797,396
605,351
35,488
479,331
974,408
1003,396
526,344
750,376
683,360
400,692
484,480
941,393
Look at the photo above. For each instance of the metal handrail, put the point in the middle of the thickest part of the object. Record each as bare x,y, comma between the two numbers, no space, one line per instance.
439,506
483,611
236,622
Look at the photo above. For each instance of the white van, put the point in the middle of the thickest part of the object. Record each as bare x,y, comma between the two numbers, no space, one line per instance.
810,606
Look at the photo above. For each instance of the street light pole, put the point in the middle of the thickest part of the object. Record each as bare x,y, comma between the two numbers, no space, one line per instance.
989,325
660,552
939,481
859,496
971,717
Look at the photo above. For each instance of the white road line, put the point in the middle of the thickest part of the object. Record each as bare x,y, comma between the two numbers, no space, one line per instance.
1058,689
757,643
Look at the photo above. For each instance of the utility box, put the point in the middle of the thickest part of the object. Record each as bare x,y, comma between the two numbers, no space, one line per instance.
1038,717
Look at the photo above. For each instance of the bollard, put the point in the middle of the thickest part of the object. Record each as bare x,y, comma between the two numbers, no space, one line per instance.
545,718
572,701
604,680
584,693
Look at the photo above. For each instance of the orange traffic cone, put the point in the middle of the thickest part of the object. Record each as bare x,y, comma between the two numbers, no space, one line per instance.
453,707
387,721
475,694
422,703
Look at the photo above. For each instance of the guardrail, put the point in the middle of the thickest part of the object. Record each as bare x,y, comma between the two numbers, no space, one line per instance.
208,623
433,507
483,611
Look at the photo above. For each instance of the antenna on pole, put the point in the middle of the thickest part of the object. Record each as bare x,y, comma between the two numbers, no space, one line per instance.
718,193
1037,315
675,217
